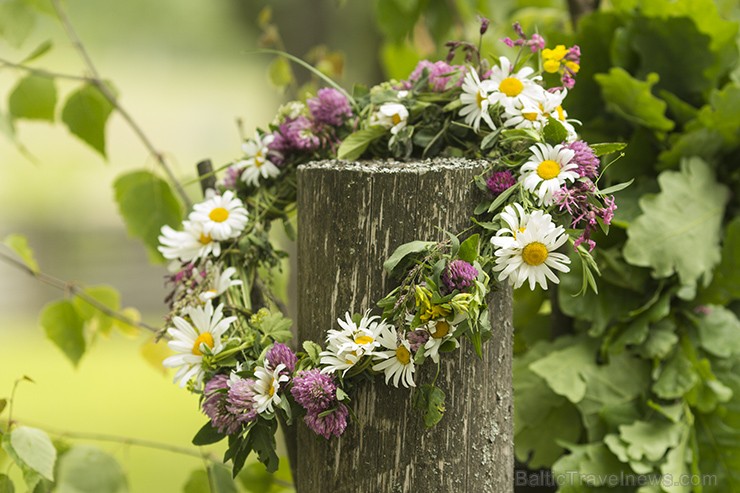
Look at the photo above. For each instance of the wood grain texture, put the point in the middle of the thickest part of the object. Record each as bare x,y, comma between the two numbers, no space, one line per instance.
351,217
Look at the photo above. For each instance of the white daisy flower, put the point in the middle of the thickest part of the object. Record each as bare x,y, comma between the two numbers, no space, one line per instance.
191,340
513,89
439,333
222,216
187,245
347,346
221,281
398,362
547,170
476,100
515,217
257,165
391,115
552,106
531,256
266,387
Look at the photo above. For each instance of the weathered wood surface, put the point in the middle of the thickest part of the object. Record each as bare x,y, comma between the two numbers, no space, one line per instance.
351,217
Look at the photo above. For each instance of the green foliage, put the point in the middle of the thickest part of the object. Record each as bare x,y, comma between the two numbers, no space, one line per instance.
146,203
33,98
430,400
403,251
64,326
17,20
32,450
679,230
633,100
87,469
354,145
215,479
554,132
19,245
6,485
86,113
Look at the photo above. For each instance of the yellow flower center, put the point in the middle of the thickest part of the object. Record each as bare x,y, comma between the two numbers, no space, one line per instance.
363,339
511,86
403,355
530,116
219,215
441,329
534,254
271,391
548,169
205,338
396,118
205,239
259,159
479,98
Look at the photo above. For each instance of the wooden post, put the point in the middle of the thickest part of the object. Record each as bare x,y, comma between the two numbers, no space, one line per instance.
351,217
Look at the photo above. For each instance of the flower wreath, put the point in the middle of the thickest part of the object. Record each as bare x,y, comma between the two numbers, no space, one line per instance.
227,330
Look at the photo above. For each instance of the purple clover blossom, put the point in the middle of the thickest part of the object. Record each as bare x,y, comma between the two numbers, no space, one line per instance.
313,390
280,353
241,399
585,212
231,177
585,158
333,423
500,181
330,107
459,275
296,134
484,23
442,75
215,405
417,338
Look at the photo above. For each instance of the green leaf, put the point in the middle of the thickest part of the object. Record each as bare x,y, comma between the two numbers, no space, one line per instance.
682,67
261,439
650,440
675,466
312,350
633,100
554,132
277,327
64,327
86,113
207,435
616,188
33,98
397,18
430,400
17,20
254,478
19,244
280,73
197,482
40,51
6,485
677,377
541,417
726,280
679,229
660,341
719,332
220,479
108,296
607,148
563,369
87,469
355,144
469,249
403,251
34,448
147,203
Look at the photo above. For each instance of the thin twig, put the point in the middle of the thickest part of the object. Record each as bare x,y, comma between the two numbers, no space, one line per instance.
44,73
98,82
74,289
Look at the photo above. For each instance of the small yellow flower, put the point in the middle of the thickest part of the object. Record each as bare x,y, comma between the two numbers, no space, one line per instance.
556,54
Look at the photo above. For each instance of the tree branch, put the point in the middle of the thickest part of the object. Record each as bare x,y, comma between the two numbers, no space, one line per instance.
98,82
76,290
